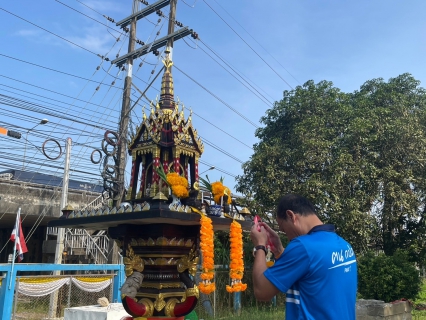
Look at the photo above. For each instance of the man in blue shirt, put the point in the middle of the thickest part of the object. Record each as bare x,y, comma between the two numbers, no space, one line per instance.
317,270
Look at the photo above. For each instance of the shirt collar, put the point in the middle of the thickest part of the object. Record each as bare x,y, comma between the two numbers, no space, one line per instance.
323,227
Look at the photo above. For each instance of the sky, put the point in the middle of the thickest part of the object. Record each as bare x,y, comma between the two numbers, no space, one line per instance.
49,60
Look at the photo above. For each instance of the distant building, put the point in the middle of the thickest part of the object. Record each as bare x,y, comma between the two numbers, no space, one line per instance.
39,196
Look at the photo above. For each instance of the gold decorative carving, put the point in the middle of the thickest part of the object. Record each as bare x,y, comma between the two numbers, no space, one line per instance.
189,243
132,262
154,189
188,262
156,152
150,242
170,307
156,285
159,302
173,242
160,196
176,152
181,242
141,242
193,292
149,307
159,255
162,241
164,294
161,262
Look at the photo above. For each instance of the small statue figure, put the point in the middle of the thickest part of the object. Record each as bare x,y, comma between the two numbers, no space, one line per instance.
148,190
132,284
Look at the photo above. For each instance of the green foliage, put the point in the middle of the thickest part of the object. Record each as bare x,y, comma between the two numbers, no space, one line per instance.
387,278
221,248
359,157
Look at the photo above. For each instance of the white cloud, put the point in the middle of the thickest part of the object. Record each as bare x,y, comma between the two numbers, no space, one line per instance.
27,33
104,6
94,39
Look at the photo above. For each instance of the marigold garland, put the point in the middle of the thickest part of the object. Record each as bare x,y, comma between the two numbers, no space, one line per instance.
178,184
219,190
237,264
207,251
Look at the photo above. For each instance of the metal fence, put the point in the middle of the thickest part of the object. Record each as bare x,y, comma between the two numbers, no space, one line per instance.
26,306
220,303
30,291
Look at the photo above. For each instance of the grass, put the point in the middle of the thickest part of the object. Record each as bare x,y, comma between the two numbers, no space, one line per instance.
249,314
420,301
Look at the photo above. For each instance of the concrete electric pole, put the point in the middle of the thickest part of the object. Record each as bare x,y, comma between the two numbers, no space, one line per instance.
128,59
125,114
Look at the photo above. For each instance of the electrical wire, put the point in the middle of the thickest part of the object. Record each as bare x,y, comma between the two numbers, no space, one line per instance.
248,45
217,98
276,60
49,32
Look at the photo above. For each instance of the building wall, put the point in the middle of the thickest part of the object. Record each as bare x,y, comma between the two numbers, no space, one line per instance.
39,204
34,198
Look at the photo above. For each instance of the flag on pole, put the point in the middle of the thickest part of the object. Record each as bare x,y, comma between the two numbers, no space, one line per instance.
18,236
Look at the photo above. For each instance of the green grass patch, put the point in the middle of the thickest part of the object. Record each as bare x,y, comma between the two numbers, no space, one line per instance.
249,314
420,302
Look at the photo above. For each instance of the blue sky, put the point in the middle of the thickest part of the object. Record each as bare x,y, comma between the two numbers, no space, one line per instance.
346,42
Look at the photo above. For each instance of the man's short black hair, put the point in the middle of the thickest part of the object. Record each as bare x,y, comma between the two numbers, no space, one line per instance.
295,203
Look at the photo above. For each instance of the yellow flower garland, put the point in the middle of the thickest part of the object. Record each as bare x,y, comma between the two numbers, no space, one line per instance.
237,264
219,190
178,184
207,251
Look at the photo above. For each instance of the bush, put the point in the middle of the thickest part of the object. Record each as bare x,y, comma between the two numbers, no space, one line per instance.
388,278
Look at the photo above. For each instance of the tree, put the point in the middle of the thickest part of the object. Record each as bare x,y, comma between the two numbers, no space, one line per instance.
359,157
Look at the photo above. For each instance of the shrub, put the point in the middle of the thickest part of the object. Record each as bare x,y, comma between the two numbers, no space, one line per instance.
388,278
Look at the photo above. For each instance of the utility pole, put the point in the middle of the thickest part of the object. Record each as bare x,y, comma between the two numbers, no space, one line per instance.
61,231
171,27
128,59
125,114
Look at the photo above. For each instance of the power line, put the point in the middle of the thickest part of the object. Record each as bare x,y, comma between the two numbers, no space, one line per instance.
62,94
89,17
50,32
219,99
276,60
248,45
58,71
268,103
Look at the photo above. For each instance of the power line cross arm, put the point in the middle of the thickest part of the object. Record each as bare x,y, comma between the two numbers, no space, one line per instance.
143,13
183,32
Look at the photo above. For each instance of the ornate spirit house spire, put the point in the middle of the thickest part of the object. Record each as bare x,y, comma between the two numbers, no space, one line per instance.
166,139
167,93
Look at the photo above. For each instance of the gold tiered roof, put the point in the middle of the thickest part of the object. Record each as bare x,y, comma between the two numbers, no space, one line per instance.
166,126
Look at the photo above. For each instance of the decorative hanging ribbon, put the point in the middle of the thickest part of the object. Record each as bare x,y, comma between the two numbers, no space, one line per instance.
38,287
90,284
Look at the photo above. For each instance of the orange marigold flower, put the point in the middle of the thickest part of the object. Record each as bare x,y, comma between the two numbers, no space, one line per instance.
236,271
207,251
180,191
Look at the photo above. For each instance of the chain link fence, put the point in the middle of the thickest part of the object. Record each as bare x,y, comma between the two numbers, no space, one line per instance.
220,303
46,297
71,293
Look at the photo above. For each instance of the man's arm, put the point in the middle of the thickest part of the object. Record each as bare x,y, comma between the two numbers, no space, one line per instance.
264,290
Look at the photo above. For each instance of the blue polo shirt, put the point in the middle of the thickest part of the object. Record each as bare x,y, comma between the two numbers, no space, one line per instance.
318,273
